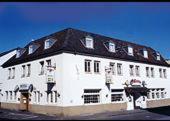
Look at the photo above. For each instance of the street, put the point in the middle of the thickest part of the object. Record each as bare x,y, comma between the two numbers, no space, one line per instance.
139,114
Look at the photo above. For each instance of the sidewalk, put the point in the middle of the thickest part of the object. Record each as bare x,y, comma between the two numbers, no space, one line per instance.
20,115
105,114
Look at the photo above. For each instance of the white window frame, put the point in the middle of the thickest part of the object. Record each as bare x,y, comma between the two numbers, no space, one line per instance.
164,73
145,53
112,66
112,47
118,93
152,72
130,51
89,42
147,72
92,94
23,71
29,70
119,69
96,66
87,66
137,70
131,70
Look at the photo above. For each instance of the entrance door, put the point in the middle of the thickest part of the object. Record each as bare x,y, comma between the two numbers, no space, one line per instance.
137,101
24,102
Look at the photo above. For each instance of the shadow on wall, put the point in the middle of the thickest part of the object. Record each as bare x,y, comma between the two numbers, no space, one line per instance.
160,110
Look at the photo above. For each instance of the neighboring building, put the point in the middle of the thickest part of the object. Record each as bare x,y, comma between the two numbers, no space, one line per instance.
4,57
72,72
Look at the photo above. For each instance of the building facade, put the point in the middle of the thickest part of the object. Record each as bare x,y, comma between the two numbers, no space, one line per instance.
74,72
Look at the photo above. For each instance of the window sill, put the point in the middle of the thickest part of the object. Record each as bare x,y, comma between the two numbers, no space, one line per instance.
97,73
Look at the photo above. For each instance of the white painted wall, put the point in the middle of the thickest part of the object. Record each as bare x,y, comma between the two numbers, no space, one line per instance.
71,79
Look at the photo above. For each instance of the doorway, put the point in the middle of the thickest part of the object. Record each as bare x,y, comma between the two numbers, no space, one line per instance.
24,102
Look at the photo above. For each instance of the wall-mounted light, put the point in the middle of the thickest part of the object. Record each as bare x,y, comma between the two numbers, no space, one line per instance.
58,95
106,95
82,96
41,94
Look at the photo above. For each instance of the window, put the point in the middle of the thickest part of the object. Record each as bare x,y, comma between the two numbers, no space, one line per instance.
32,48
89,42
38,92
13,74
55,92
35,96
29,70
87,65
130,50
48,62
147,71
42,68
137,69
49,43
15,95
9,73
112,66
160,73
152,72
6,95
96,66
10,95
145,53
91,96
111,47
116,95
157,94
162,95
164,73
148,95
153,95
23,71
51,97
158,56
119,69
20,52
131,70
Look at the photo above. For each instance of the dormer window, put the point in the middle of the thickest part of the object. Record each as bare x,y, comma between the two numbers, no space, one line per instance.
89,42
130,50
158,56
145,53
49,43
111,47
32,48
19,52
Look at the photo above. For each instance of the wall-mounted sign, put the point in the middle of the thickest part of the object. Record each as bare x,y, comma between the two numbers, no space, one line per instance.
135,82
26,87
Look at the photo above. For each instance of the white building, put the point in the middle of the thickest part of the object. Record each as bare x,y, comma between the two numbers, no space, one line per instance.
4,57
74,72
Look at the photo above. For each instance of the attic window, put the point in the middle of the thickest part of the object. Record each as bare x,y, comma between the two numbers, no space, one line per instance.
145,53
130,50
32,48
89,42
19,52
111,47
158,56
49,43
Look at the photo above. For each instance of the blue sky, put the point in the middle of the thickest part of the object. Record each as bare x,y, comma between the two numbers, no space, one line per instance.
143,23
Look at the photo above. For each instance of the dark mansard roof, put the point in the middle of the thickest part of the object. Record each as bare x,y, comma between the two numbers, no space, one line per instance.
70,40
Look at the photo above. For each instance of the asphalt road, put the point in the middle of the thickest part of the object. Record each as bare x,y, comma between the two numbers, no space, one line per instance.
149,114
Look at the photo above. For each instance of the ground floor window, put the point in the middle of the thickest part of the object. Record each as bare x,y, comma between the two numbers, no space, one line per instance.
52,97
158,93
116,95
91,96
37,96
